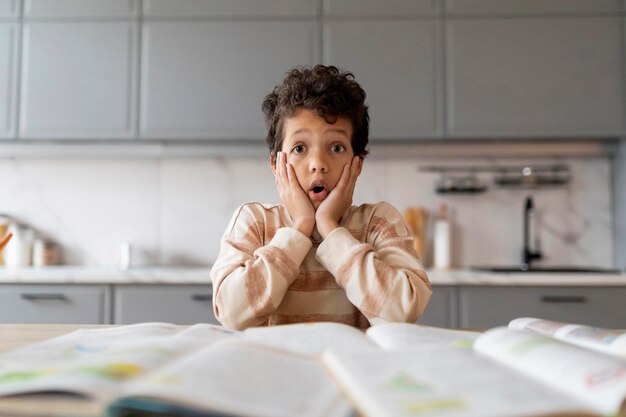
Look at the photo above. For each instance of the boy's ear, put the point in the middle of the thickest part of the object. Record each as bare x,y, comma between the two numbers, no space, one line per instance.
361,160
273,163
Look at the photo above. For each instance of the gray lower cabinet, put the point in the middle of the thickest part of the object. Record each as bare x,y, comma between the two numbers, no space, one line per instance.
178,304
442,308
484,307
55,304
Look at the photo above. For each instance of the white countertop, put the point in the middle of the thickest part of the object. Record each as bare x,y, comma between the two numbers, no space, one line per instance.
105,275
200,275
469,277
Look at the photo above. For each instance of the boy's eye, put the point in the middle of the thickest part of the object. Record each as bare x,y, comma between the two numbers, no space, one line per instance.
298,149
338,148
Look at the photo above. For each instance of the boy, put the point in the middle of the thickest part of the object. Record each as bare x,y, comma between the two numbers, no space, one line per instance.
315,257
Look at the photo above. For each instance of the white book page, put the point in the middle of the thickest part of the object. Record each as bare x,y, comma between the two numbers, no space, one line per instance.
310,338
594,378
402,336
438,382
603,340
96,362
239,377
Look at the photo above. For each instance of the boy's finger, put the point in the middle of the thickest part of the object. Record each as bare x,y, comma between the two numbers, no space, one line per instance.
353,173
344,180
281,168
291,175
354,170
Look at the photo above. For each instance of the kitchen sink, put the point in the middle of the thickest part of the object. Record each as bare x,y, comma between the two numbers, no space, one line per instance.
548,269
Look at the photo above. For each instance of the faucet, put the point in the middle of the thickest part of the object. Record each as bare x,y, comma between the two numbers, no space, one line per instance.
528,254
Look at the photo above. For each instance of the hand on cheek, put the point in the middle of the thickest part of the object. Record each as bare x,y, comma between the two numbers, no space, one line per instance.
293,196
339,200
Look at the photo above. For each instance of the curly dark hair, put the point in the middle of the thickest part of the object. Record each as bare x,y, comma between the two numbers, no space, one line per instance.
325,90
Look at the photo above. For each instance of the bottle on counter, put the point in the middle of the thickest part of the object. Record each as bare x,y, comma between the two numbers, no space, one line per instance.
124,256
442,237
18,252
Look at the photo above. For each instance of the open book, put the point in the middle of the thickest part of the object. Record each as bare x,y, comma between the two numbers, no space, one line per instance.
308,370
608,341
165,370
505,373
169,370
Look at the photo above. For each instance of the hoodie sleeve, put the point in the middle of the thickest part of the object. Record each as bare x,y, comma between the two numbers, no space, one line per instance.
383,277
250,278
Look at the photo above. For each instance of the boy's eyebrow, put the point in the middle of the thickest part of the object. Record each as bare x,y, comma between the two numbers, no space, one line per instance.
337,130
301,130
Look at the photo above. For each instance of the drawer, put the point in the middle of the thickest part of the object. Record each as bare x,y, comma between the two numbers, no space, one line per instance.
55,304
178,304
483,307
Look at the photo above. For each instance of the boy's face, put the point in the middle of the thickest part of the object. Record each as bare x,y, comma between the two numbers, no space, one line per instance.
318,151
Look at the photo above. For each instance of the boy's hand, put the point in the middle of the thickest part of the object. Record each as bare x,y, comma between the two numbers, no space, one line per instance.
293,196
339,200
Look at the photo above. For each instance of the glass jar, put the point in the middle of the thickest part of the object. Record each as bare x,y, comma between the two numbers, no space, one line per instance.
46,253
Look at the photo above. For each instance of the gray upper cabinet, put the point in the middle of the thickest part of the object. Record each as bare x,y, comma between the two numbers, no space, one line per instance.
530,7
80,8
399,65
378,8
525,77
199,69
229,8
8,79
78,79
9,8
207,79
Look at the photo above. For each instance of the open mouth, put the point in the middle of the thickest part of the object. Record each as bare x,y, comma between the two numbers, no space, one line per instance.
318,192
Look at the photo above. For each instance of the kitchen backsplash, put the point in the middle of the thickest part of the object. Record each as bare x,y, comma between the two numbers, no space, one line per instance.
174,211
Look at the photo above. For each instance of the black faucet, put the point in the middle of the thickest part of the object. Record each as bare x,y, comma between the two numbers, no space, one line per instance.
528,255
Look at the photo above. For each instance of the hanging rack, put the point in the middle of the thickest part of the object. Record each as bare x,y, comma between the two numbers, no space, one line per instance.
464,178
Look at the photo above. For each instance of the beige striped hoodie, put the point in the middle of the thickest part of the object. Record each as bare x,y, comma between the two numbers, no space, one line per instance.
365,272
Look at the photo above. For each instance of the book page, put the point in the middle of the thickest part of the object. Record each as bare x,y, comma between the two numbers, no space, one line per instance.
310,338
594,378
240,378
95,362
596,338
399,336
441,381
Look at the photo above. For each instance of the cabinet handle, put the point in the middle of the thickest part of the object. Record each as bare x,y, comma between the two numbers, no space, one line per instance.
43,296
563,299
201,297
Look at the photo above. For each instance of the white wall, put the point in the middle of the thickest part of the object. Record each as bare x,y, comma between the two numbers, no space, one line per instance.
174,211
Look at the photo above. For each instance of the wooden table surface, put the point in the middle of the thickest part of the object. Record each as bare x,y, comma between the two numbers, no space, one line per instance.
16,335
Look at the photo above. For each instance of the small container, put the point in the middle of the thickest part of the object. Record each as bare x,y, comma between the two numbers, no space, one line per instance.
46,253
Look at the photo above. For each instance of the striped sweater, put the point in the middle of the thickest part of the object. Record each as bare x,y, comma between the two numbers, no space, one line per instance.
365,272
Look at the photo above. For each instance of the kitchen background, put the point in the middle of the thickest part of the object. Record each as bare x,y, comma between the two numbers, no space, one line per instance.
138,121
173,210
